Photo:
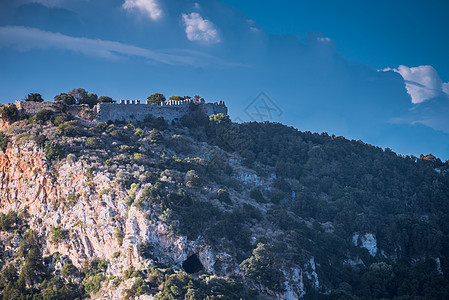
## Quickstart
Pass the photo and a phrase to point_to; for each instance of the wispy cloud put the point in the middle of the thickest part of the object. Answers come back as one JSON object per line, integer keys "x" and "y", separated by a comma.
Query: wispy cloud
{"x": 422, "y": 82}
{"x": 149, "y": 7}
{"x": 199, "y": 29}
{"x": 24, "y": 39}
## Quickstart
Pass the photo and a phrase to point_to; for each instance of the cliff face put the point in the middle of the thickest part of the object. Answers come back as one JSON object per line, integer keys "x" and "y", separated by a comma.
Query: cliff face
{"x": 66, "y": 197}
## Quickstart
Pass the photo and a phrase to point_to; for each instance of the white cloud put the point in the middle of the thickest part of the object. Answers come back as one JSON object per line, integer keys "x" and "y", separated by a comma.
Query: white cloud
{"x": 24, "y": 39}
{"x": 324, "y": 39}
{"x": 446, "y": 88}
{"x": 149, "y": 7}
{"x": 422, "y": 82}
{"x": 199, "y": 29}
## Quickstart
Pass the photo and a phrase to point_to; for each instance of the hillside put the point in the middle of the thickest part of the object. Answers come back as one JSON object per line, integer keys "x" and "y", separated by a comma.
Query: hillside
{"x": 205, "y": 207}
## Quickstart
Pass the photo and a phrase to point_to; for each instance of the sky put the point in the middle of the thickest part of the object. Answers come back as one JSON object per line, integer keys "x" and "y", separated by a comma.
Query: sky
{"x": 375, "y": 71}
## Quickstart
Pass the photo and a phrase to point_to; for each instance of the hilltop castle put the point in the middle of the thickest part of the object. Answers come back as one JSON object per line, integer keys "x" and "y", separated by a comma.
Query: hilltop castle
{"x": 126, "y": 110}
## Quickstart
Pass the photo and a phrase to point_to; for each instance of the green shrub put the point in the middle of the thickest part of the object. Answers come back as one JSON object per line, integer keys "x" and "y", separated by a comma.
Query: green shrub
{"x": 65, "y": 99}
{"x": 53, "y": 151}
{"x": 43, "y": 116}
{"x": 119, "y": 235}
{"x": 90, "y": 172}
{"x": 69, "y": 270}
{"x": 192, "y": 178}
{"x": 138, "y": 288}
{"x": 71, "y": 128}
{"x": 58, "y": 234}
{"x": 131, "y": 273}
{"x": 94, "y": 285}
{"x": 94, "y": 143}
{"x": 146, "y": 250}
{"x": 155, "y": 136}
{"x": 139, "y": 133}
{"x": 40, "y": 140}
{"x": 34, "y": 97}
{"x": 71, "y": 200}
{"x": 8, "y": 221}
{"x": 124, "y": 178}
{"x": 95, "y": 267}
{"x": 260, "y": 267}
{"x": 10, "y": 113}
{"x": 219, "y": 119}
{"x": 3, "y": 141}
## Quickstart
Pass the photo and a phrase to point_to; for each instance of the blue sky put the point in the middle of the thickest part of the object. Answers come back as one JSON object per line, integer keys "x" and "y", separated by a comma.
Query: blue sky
{"x": 375, "y": 71}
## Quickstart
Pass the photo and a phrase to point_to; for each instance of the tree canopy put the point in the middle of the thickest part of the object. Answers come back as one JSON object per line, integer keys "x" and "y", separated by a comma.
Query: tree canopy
{"x": 34, "y": 97}
{"x": 156, "y": 99}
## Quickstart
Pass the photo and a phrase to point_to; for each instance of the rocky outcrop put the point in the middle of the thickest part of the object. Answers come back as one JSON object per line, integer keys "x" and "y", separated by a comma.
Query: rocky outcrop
{"x": 75, "y": 202}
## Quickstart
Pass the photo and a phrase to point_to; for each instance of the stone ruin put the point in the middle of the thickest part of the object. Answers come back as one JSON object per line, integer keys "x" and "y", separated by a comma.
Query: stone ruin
{"x": 126, "y": 110}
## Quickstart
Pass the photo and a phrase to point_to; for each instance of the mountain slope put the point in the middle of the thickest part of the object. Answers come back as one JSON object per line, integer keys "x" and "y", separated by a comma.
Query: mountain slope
{"x": 120, "y": 209}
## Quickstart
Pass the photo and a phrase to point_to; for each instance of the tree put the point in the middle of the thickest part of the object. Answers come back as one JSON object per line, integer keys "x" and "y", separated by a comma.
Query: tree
{"x": 65, "y": 99}
{"x": 34, "y": 97}
{"x": 3, "y": 141}
{"x": 156, "y": 98}
{"x": 192, "y": 178}
{"x": 43, "y": 116}
{"x": 105, "y": 99}
{"x": 260, "y": 268}
{"x": 79, "y": 94}
{"x": 10, "y": 113}
{"x": 176, "y": 98}
{"x": 91, "y": 99}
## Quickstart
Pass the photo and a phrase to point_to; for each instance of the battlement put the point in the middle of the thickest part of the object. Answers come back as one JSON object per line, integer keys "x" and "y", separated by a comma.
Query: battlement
{"x": 134, "y": 110}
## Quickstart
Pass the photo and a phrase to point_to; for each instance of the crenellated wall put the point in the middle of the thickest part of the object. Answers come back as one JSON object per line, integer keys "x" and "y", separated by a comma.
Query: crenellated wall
{"x": 130, "y": 110}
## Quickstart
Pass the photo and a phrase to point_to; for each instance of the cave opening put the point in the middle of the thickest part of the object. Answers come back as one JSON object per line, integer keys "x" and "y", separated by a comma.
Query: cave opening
{"x": 192, "y": 264}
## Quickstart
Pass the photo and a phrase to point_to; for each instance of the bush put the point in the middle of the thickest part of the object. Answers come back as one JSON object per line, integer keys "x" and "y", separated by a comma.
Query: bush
{"x": 3, "y": 141}
{"x": 61, "y": 118}
{"x": 8, "y": 221}
{"x": 139, "y": 133}
{"x": 65, "y": 99}
{"x": 71, "y": 128}
{"x": 138, "y": 288}
{"x": 90, "y": 172}
{"x": 94, "y": 285}
{"x": 69, "y": 270}
{"x": 156, "y": 98}
{"x": 95, "y": 267}
{"x": 260, "y": 268}
{"x": 53, "y": 151}
{"x": 119, "y": 235}
{"x": 223, "y": 196}
{"x": 219, "y": 119}
{"x": 40, "y": 140}
{"x": 192, "y": 178}
{"x": 34, "y": 97}
{"x": 58, "y": 234}
{"x": 105, "y": 99}
{"x": 155, "y": 136}
{"x": 10, "y": 113}
{"x": 43, "y": 116}
{"x": 146, "y": 250}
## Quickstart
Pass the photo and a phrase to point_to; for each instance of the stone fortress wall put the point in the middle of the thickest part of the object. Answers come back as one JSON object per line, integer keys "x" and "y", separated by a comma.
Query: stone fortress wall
{"x": 126, "y": 110}
{"x": 133, "y": 110}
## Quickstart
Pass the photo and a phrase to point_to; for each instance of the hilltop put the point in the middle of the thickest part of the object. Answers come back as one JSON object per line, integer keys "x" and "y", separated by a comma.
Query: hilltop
{"x": 203, "y": 207}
